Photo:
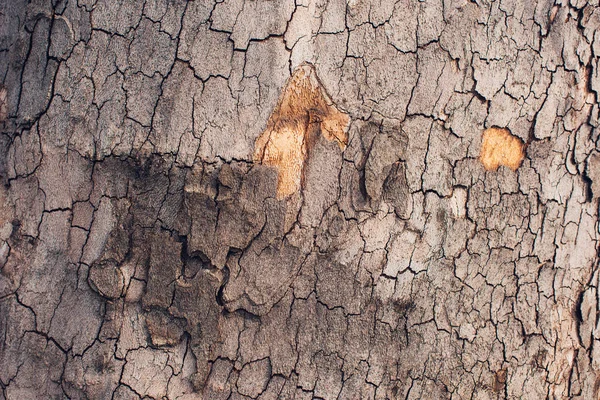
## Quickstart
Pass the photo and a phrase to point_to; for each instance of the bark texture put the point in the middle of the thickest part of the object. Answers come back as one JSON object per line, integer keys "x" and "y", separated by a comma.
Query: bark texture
{"x": 295, "y": 199}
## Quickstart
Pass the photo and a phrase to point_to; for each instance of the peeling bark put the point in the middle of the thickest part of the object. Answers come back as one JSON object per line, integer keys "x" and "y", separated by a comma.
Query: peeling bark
{"x": 290, "y": 200}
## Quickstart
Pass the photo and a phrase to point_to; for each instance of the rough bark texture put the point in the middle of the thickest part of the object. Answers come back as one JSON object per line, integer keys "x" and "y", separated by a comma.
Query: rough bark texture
{"x": 434, "y": 235}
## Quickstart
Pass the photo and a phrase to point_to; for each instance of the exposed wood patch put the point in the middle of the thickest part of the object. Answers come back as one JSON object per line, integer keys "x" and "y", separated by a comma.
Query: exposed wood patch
{"x": 304, "y": 110}
{"x": 500, "y": 147}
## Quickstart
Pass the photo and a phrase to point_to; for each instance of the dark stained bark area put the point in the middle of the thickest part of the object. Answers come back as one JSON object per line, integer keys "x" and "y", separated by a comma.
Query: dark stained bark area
{"x": 438, "y": 239}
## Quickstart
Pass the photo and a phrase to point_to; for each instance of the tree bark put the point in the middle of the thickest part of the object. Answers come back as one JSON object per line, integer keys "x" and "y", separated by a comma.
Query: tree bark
{"x": 299, "y": 199}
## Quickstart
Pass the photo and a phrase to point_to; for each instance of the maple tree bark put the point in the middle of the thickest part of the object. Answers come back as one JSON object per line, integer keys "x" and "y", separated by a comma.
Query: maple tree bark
{"x": 300, "y": 199}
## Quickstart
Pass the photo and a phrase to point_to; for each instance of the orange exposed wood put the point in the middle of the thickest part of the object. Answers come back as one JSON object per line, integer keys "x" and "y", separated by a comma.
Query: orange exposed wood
{"x": 304, "y": 110}
{"x": 500, "y": 147}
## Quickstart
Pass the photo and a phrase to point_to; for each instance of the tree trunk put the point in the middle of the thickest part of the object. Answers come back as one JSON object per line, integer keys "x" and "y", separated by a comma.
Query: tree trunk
{"x": 293, "y": 200}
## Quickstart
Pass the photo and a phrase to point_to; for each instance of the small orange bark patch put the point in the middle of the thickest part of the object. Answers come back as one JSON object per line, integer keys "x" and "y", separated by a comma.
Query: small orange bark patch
{"x": 500, "y": 147}
{"x": 304, "y": 110}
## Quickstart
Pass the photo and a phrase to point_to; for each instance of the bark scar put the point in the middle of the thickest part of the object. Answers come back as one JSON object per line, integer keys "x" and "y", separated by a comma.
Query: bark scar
{"x": 500, "y": 147}
{"x": 304, "y": 110}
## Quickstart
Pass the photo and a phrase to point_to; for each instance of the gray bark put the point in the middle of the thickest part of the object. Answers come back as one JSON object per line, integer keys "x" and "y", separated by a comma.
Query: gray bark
{"x": 299, "y": 199}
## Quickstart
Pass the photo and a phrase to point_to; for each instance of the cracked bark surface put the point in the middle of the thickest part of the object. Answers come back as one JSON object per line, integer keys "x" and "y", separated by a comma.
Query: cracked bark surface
{"x": 439, "y": 240}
